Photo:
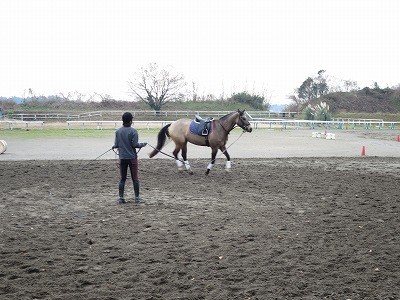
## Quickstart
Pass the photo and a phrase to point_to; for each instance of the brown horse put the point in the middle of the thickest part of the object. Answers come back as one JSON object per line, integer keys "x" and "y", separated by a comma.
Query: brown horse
{"x": 179, "y": 131}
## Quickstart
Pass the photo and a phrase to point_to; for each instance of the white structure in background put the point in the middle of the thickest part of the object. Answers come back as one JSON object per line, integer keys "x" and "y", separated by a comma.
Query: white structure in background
{"x": 3, "y": 146}
{"x": 324, "y": 135}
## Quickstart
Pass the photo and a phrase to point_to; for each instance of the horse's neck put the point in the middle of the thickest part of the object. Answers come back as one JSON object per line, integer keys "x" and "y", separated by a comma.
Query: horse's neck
{"x": 229, "y": 122}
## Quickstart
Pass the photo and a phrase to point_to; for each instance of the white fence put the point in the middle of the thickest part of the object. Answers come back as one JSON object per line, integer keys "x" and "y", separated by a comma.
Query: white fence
{"x": 259, "y": 123}
{"x": 143, "y": 113}
{"x": 354, "y": 124}
{"x": 266, "y": 123}
{"x": 11, "y": 124}
{"x": 115, "y": 124}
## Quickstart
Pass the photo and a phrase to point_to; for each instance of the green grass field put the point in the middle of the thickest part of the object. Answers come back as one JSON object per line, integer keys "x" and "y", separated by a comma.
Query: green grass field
{"x": 57, "y": 133}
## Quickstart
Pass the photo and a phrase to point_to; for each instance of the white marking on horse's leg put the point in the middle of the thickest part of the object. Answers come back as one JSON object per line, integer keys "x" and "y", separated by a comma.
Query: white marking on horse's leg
{"x": 187, "y": 165}
{"x": 180, "y": 165}
{"x": 228, "y": 165}
{"x": 210, "y": 166}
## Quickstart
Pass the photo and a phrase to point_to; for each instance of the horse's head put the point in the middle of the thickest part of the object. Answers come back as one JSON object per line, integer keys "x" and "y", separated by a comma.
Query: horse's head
{"x": 242, "y": 122}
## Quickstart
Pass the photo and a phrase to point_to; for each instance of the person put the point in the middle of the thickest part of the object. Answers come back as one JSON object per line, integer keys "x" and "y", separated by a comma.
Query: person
{"x": 126, "y": 141}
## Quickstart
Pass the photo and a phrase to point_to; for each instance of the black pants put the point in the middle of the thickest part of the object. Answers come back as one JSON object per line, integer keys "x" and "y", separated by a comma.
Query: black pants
{"x": 132, "y": 164}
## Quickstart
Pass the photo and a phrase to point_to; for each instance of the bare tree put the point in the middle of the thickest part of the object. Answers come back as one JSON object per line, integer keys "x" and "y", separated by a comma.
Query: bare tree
{"x": 95, "y": 97}
{"x": 63, "y": 96}
{"x": 350, "y": 85}
{"x": 72, "y": 96}
{"x": 195, "y": 89}
{"x": 156, "y": 86}
{"x": 299, "y": 103}
{"x": 267, "y": 98}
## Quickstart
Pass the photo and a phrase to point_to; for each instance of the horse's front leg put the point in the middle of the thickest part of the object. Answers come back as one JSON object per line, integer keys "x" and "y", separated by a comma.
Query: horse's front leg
{"x": 228, "y": 158}
{"x": 211, "y": 164}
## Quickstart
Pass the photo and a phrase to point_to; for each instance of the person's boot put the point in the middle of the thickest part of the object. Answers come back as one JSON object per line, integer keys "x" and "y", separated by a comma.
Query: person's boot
{"x": 121, "y": 188}
{"x": 138, "y": 200}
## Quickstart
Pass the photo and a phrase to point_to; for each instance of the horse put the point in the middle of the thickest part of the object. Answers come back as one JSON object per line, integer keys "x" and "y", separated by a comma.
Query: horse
{"x": 179, "y": 131}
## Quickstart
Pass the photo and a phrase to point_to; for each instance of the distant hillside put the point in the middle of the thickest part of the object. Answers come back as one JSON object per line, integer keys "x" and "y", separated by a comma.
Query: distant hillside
{"x": 71, "y": 106}
{"x": 365, "y": 100}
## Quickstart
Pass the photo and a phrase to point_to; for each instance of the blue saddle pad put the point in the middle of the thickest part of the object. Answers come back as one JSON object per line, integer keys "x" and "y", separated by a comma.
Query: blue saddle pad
{"x": 199, "y": 129}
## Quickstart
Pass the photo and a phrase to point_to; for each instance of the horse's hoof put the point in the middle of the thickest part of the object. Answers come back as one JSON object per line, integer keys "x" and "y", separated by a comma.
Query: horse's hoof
{"x": 208, "y": 171}
{"x": 181, "y": 169}
{"x": 227, "y": 169}
{"x": 190, "y": 172}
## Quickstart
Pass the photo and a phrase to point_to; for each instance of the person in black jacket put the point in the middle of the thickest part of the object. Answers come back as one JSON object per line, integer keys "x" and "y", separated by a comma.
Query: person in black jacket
{"x": 126, "y": 141}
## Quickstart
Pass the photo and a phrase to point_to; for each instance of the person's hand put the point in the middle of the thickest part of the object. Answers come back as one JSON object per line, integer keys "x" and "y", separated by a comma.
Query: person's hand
{"x": 144, "y": 144}
{"x": 113, "y": 147}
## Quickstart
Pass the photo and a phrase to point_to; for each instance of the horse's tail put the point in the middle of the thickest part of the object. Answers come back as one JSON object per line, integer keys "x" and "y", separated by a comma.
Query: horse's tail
{"x": 162, "y": 136}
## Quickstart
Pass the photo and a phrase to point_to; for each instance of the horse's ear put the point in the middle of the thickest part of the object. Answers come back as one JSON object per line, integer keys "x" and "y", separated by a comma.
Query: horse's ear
{"x": 241, "y": 112}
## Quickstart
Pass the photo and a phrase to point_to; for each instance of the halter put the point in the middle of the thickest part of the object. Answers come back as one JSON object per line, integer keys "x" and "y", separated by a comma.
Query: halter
{"x": 244, "y": 127}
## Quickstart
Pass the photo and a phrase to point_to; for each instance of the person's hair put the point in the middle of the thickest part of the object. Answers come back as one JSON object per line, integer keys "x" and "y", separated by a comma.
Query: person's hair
{"x": 127, "y": 119}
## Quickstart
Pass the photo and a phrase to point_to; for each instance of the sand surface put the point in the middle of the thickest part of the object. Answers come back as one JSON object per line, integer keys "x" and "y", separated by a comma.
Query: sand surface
{"x": 261, "y": 143}
{"x": 296, "y": 218}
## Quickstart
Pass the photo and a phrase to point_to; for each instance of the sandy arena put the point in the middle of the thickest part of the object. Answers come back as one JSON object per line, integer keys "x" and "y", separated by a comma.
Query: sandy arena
{"x": 296, "y": 218}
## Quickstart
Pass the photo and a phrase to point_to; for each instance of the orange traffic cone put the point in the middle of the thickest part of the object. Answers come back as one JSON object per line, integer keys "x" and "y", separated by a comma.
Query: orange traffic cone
{"x": 363, "y": 151}
{"x": 398, "y": 138}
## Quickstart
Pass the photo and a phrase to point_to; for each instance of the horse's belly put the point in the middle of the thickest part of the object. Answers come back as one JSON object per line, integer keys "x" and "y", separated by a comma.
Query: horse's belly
{"x": 197, "y": 139}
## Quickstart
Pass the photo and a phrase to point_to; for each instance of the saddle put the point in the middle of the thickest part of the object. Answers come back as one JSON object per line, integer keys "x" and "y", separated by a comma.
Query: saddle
{"x": 201, "y": 126}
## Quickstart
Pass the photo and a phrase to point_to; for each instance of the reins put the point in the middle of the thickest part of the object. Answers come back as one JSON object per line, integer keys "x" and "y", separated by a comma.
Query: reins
{"x": 226, "y": 149}
{"x": 88, "y": 163}
{"x": 84, "y": 166}
{"x": 166, "y": 154}
{"x": 116, "y": 154}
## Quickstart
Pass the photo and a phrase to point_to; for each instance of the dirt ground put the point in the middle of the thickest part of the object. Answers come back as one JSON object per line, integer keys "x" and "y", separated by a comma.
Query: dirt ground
{"x": 288, "y": 228}
{"x": 296, "y": 218}
{"x": 261, "y": 143}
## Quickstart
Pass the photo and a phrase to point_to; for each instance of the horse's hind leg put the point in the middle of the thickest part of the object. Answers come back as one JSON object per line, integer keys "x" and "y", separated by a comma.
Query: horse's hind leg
{"x": 184, "y": 156}
{"x": 228, "y": 158}
{"x": 211, "y": 164}
{"x": 179, "y": 163}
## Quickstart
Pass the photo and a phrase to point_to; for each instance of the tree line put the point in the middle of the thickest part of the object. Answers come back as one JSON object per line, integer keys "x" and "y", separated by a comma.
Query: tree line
{"x": 151, "y": 85}
{"x": 318, "y": 96}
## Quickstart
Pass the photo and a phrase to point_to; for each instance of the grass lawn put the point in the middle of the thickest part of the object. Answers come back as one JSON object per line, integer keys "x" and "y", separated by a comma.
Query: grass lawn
{"x": 57, "y": 133}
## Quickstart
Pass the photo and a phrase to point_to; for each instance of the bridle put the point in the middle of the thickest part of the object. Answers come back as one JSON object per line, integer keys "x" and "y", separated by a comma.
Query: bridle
{"x": 245, "y": 125}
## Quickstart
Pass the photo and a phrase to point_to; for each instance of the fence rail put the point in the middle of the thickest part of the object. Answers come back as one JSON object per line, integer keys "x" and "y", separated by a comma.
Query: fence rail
{"x": 256, "y": 123}
{"x": 11, "y": 124}
{"x": 143, "y": 113}
{"x": 115, "y": 124}
{"x": 266, "y": 123}
{"x": 312, "y": 124}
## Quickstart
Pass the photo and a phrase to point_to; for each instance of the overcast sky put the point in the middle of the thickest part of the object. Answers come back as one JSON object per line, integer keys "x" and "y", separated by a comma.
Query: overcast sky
{"x": 54, "y": 46}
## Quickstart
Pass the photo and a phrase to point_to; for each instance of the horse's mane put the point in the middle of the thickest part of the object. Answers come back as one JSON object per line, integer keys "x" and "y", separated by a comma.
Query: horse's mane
{"x": 227, "y": 115}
